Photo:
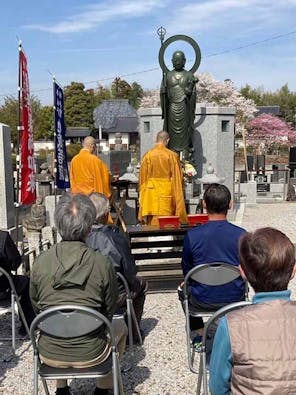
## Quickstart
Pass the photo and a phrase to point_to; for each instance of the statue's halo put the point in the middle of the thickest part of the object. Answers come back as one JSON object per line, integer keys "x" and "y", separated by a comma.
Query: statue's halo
{"x": 179, "y": 37}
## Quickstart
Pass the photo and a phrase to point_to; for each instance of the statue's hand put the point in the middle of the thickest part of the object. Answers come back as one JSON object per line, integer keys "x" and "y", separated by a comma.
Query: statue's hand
{"x": 188, "y": 90}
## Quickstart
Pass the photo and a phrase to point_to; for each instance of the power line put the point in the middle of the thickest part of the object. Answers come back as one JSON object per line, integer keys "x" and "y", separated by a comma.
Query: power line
{"x": 252, "y": 44}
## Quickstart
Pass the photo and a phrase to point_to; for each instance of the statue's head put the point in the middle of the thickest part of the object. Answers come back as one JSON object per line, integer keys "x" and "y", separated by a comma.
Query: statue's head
{"x": 39, "y": 199}
{"x": 178, "y": 60}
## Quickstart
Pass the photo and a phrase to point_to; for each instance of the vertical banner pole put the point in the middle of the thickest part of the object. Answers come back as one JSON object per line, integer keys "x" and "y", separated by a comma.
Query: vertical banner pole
{"x": 61, "y": 163}
{"x": 55, "y": 140}
{"x": 19, "y": 130}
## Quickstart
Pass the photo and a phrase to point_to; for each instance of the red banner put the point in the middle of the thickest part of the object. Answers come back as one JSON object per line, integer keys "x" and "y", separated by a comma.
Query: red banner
{"x": 27, "y": 165}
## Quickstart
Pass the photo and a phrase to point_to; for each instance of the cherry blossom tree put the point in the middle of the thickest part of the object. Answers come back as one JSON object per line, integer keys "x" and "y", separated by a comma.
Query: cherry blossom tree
{"x": 270, "y": 131}
{"x": 224, "y": 93}
{"x": 214, "y": 92}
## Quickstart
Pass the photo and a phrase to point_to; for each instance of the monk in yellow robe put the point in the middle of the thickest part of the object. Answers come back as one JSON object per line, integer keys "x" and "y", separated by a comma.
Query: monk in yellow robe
{"x": 87, "y": 172}
{"x": 161, "y": 183}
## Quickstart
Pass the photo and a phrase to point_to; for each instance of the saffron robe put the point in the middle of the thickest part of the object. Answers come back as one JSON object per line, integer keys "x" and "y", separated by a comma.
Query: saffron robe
{"x": 89, "y": 174}
{"x": 161, "y": 185}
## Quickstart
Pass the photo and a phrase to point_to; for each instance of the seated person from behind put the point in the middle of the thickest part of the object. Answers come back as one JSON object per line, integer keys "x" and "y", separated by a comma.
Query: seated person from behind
{"x": 72, "y": 273}
{"x": 111, "y": 243}
{"x": 215, "y": 241}
{"x": 10, "y": 260}
{"x": 254, "y": 347}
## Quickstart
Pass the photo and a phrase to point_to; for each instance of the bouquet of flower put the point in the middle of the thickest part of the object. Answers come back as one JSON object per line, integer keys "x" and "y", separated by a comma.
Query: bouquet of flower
{"x": 189, "y": 171}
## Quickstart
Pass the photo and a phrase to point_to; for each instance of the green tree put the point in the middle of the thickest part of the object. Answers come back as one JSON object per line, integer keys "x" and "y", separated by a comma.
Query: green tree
{"x": 44, "y": 124}
{"x": 282, "y": 97}
{"x": 79, "y": 105}
{"x": 122, "y": 89}
{"x": 135, "y": 95}
{"x": 102, "y": 93}
{"x": 254, "y": 94}
{"x": 9, "y": 114}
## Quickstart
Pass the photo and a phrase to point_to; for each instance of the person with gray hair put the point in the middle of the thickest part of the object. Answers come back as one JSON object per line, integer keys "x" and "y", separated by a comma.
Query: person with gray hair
{"x": 71, "y": 272}
{"x": 111, "y": 243}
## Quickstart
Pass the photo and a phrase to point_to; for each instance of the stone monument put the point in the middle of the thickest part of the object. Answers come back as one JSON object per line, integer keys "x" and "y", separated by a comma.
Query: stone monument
{"x": 7, "y": 212}
{"x": 36, "y": 220}
{"x": 44, "y": 180}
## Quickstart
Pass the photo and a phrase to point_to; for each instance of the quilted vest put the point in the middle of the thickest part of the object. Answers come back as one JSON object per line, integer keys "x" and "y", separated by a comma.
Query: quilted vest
{"x": 263, "y": 344}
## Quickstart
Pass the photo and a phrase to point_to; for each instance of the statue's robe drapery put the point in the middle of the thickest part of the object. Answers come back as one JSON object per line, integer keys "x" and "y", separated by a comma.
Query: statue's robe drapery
{"x": 161, "y": 185}
{"x": 89, "y": 174}
{"x": 178, "y": 100}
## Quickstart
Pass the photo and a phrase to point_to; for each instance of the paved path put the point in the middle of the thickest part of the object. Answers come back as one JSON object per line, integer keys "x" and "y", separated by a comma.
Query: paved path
{"x": 278, "y": 215}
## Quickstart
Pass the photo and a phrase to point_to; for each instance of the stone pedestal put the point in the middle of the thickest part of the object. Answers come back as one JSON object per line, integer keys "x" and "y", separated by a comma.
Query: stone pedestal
{"x": 34, "y": 238}
{"x": 44, "y": 188}
{"x": 250, "y": 190}
{"x": 7, "y": 212}
{"x": 188, "y": 191}
{"x": 213, "y": 138}
{"x": 47, "y": 234}
{"x": 50, "y": 204}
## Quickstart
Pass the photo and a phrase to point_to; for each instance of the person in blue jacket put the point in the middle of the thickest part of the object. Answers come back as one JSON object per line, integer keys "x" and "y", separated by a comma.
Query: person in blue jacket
{"x": 215, "y": 241}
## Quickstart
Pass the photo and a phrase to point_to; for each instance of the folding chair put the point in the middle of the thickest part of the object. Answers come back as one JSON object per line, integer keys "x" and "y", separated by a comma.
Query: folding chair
{"x": 130, "y": 312}
{"x": 69, "y": 321}
{"x": 6, "y": 306}
{"x": 203, "y": 365}
{"x": 210, "y": 274}
{"x": 45, "y": 245}
{"x": 28, "y": 259}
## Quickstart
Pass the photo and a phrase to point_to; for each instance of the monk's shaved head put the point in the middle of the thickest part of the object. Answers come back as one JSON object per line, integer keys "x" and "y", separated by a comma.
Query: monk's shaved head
{"x": 162, "y": 137}
{"x": 88, "y": 141}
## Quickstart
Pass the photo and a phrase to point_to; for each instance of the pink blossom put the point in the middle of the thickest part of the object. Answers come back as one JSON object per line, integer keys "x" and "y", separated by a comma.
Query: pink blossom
{"x": 271, "y": 130}
{"x": 214, "y": 93}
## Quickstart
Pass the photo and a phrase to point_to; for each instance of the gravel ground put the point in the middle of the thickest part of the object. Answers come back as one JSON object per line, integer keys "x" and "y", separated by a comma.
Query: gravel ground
{"x": 160, "y": 366}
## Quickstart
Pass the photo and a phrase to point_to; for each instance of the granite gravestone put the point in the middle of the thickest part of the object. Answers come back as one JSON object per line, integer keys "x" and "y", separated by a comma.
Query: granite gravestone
{"x": 117, "y": 161}
{"x": 6, "y": 180}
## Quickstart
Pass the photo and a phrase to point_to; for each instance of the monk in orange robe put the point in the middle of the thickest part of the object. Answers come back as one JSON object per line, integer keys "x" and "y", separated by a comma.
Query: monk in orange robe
{"x": 161, "y": 183}
{"x": 87, "y": 172}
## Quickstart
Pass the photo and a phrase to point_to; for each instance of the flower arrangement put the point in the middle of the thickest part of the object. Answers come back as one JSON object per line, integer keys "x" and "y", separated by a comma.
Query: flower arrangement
{"x": 188, "y": 171}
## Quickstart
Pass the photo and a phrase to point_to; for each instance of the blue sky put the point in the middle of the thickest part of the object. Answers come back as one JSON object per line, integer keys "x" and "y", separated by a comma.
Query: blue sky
{"x": 94, "y": 41}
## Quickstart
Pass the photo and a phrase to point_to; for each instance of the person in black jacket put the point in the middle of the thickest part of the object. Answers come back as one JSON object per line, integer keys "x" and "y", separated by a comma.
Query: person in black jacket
{"x": 111, "y": 243}
{"x": 10, "y": 260}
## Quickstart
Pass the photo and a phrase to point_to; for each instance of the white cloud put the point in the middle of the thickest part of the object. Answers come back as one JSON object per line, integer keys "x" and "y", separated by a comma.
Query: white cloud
{"x": 96, "y": 14}
{"x": 203, "y": 15}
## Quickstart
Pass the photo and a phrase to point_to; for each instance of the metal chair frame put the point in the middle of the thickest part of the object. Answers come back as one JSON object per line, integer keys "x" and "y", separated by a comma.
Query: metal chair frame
{"x": 211, "y": 274}
{"x": 130, "y": 312}
{"x": 70, "y": 321}
{"x": 118, "y": 207}
{"x": 202, "y": 375}
{"x": 11, "y": 309}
